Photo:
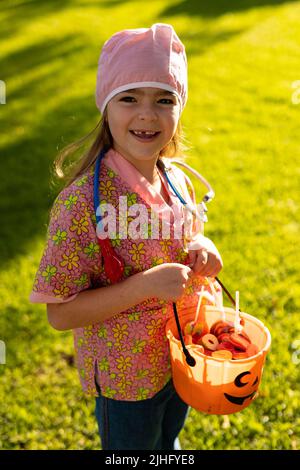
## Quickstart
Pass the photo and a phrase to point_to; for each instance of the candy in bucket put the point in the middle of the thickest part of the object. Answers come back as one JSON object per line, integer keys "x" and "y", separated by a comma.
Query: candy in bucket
{"x": 213, "y": 383}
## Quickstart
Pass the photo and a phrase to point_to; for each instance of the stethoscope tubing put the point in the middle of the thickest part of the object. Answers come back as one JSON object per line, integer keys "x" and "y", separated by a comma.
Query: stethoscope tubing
{"x": 96, "y": 185}
{"x": 207, "y": 198}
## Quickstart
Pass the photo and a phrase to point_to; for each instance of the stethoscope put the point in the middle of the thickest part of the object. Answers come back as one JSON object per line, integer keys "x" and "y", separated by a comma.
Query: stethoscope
{"x": 113, "y": 264}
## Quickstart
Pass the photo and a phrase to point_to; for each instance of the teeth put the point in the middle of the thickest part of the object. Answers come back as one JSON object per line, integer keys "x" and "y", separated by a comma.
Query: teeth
{"x": 144, "y": 132}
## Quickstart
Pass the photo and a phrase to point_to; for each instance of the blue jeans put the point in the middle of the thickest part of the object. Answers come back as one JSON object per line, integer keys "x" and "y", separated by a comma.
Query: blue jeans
{"x": 151, "y": 424}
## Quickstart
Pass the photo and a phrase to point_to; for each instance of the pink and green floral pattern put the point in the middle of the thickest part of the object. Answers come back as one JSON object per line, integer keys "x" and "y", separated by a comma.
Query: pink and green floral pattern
{"x": 129, "y": 353}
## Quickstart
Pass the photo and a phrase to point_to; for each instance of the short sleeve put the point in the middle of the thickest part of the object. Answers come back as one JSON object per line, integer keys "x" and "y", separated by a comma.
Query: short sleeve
{"x": 71, "y": 257}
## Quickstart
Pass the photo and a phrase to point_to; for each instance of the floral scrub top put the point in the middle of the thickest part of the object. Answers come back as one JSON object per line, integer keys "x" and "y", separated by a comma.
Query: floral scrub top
{"x": 128, "y": 354}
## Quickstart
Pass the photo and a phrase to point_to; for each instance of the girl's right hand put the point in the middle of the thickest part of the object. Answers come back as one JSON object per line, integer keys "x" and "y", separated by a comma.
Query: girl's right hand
{"x": 167, "y": 281}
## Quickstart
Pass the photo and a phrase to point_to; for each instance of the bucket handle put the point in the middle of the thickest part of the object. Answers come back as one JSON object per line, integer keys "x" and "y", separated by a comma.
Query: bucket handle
{"x": 190, "y": 360}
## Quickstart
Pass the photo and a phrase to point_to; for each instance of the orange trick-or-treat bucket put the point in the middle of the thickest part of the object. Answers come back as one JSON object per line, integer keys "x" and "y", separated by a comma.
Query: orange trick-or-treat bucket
{"x": 216, "y": 384}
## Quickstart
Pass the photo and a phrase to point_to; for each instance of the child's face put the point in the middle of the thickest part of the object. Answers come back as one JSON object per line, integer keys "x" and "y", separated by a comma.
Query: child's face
{"x": 142, "y": 109}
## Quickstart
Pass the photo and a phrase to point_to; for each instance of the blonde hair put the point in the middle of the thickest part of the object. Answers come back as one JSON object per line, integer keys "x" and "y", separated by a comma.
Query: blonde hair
{"x": 104, "y": 139}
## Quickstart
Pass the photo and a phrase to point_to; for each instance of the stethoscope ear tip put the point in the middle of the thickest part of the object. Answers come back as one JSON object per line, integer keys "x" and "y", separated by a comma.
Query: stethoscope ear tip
{"x": 209, "y": 196}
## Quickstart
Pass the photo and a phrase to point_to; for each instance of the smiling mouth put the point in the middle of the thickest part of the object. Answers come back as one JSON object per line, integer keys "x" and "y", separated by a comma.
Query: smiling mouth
{"x": 238, "y": 400}
{"x": 145, "y": 135}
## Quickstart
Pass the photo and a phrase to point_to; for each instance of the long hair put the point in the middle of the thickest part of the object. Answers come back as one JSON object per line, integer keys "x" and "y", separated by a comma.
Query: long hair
{"x": 104, "y": 139}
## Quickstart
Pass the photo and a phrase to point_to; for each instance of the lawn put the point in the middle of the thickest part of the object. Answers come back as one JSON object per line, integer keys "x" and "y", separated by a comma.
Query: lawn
{"x": 242, "y": 126}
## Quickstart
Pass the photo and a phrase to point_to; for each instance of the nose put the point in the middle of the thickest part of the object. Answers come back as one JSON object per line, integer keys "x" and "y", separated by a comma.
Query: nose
{"x": 147, "y": 113}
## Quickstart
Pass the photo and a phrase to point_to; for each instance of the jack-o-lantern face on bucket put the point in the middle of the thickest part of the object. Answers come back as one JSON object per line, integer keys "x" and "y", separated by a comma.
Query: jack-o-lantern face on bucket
{"x": 243, "y": 380}
{"x": 216, "y": 385}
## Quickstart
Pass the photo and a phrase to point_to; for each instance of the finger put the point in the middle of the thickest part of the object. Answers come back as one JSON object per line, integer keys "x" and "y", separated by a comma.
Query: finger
{"x": 212, "y": 268}
{"x": 203, "y": 257}
{"x": 201, "y": 262}
{"x": 188, "y": 273}
{"x": 192, "y": 257}
{"x": 209, "y": 268}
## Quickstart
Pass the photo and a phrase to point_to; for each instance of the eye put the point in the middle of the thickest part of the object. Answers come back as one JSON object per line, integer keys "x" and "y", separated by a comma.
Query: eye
{"x": 167, "y": 101}
{"x": 238, "y": 380}
{"x": 127, "y": 99}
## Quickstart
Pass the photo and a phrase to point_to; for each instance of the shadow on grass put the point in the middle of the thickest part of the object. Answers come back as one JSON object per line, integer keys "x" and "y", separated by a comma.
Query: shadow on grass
{"x": 16, "y": 14}
{"x": 26, "y": 190}
{"x": 215, "y": 8}
{"x": 26, "y": 162}
{"x": 39, "y": 54}
{"x": 197, "y": 42}
{"x": 26, "y": 159}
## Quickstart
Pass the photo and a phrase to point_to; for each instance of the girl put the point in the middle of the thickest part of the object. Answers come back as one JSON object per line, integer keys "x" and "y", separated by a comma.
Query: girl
{"x": 118, "y": 315}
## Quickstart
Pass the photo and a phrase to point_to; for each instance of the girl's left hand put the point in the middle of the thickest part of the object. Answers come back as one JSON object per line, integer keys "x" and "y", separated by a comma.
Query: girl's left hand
{"x": 204, "y": 257}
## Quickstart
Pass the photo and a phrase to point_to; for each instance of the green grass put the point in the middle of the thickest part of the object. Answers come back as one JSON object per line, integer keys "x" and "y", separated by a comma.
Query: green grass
{"x": 243, "y": 131}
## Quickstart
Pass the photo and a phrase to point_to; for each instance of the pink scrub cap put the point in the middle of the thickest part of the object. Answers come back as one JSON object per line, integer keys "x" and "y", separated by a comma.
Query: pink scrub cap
{"x": 143, "y": 57}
